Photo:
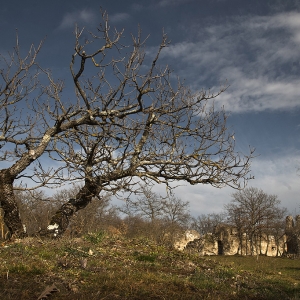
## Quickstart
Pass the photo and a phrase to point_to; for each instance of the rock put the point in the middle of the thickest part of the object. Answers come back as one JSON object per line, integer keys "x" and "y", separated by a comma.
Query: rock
{"x": 182, "y": 240}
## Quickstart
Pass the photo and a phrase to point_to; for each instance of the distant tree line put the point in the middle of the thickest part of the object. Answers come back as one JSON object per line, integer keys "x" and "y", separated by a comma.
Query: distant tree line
{"x": 251, "y": 211}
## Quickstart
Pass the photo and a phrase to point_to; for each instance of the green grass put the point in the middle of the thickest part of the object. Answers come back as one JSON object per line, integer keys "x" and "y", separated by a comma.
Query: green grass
{"x": 95, "y": 238}
{"x": 119, "y": 268}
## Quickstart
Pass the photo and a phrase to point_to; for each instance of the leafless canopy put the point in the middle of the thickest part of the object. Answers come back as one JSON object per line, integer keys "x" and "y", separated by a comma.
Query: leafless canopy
{"x": 149, "y": 126}
{"x": 255, "y": 213}
{"x": 130, "y": 120}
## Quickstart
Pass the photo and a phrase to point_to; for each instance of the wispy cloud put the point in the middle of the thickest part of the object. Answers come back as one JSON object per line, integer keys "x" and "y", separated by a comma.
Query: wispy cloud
{"x": 275, "y": 176}
{"x": 81, "y": 17}
{"x": 172, "y": 2}
{"x": 278, "y": 176}
{"x": 259, "y": 94}
{"x": 258, "y": 56}
{"x": 119, "y": 17}
{"x": 137, "y": 6}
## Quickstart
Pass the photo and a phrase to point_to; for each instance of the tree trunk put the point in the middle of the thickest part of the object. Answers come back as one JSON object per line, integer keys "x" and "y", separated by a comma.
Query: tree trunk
{"x": 61, "y": 219}
{"x": 9, "y": 205}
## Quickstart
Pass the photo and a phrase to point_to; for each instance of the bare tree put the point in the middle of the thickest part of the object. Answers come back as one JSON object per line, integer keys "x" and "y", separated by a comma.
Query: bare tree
{"x": 238, "y": 218}
{"x": 206, "y": 223}
{"x": 145, "y": 214}
{"x": 176, "y": 211}
{"x": 153, "y": 128}
{"x": 131, "y": 121}
{"x": 254, "y": 213}
{"x": 158, "y": 217}
{"x": 35, "y": 209}
{"x": 276, "y": 230}
{"x": 149, "y": 205}
{"x": 33, "y": 113}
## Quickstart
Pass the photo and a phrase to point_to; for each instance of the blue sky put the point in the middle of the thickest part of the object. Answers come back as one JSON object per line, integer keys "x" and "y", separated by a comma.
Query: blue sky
{"x": 254, "y": 46}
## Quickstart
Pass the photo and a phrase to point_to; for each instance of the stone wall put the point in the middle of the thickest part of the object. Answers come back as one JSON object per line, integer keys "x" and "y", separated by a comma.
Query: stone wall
{"x": 230, "y": 243}
{"x": 183, "y": 239}
{"x": 226, "y": 241}
{"x": 292, "y": 231}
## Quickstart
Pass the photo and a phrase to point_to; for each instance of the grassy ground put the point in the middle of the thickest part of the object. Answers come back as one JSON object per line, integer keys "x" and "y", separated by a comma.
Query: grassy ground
{"x": 104, "y": 267}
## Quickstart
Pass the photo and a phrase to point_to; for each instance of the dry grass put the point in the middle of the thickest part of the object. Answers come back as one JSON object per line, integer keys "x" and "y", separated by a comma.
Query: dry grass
{"x": 105, "y": 267}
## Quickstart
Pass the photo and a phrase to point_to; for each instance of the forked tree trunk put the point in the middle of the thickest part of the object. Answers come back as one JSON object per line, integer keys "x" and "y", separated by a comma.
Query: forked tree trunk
{"x": 9, "y": 205}
{"x": 59, "y": 222}
{"x": 61, "y": 219}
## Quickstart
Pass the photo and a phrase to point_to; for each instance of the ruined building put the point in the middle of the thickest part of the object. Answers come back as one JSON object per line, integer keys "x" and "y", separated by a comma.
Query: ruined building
{"x": 292, "y": 231}
{"x": 227, "y": 240}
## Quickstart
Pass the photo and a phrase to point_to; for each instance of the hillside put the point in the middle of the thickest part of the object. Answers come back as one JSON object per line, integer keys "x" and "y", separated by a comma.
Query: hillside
{"x": 101, "y": 266}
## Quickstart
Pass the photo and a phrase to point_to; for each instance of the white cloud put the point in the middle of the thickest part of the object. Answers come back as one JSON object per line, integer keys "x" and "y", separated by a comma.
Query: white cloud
{"x": 82, "y": 17}
{"x": 275, "y": 176}
{"x": 258, "y": 94}
{"x": 258, "y": 56}
{"x": 119, "y": 17}
{"x": 291, "y": 21}
{"x": 279, "y": 176}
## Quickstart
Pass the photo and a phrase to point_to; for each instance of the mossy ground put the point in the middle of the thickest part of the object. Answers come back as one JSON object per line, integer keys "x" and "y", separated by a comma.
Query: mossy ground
{"x": 121, "y": 268}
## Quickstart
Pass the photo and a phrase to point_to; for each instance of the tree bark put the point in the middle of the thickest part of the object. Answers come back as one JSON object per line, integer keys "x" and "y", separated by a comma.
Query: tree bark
{"x": 9, "y": 205}
{"x": 61, "y": 219}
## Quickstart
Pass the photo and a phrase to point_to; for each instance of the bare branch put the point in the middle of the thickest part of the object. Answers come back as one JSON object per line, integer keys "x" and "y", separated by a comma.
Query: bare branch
{"x": 129, "y": 121}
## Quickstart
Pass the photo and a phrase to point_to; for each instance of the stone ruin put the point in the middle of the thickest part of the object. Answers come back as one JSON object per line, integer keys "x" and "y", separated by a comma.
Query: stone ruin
{"x": 183, "y": 240}
{"x": 224, "y": 240}
{"x": 292, "y": 231}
